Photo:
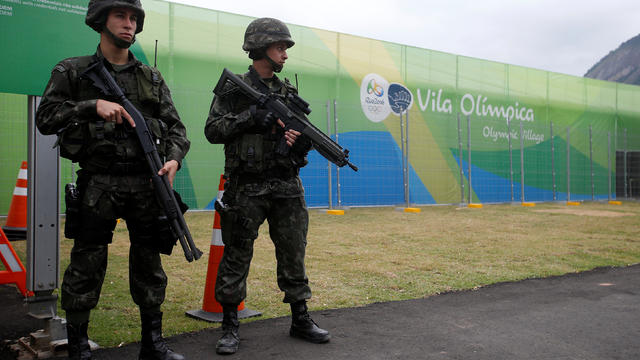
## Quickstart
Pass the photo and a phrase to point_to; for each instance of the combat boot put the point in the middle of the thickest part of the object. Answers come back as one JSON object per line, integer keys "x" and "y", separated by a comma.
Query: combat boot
{"x": 153, "y": 346}
{"x": 303, "y": 327}
{"x": 78, "y": 341}
{"x": 230, "y": 340}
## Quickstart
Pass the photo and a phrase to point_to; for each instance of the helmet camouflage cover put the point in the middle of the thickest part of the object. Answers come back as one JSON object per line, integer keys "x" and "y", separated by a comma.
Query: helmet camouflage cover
{"x": 98, "y": 10}
{"x": 265, "y": 31}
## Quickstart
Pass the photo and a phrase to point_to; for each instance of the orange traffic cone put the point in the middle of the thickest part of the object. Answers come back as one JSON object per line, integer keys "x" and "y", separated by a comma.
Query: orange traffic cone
{"x": 16, "y": 226}
{"x": 211, "y": 309}
{"x": 15, "y": 273}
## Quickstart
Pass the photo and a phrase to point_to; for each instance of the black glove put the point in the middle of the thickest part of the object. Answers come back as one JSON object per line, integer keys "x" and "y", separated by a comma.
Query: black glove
{"x": 263, "y": 119}
{"x": 302, "y": 145}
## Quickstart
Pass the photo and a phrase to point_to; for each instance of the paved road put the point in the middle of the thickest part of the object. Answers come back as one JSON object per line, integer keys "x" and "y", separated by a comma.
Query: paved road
{"x": 592, "y": 315}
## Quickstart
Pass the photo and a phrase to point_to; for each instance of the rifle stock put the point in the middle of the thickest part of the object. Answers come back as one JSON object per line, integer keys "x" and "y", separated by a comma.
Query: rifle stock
{"x": 292, "y": 118}
{"x": 103, "y": 80}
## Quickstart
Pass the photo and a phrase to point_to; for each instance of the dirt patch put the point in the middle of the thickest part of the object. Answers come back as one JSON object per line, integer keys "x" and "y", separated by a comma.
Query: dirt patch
{"x": 583, "y": 212}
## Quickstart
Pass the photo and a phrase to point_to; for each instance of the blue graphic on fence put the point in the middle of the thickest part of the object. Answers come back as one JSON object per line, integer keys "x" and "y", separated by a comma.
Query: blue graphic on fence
{"x": 400, "y": 98}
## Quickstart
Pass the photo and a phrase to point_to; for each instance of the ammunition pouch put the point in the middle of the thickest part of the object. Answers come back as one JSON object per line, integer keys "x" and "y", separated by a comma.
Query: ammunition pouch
{"x": 72, "y": 140}
{"x": 252, "y": 152}
{"x": 148, "y": 84}
{"x": 80, "y": 140}
{"x": 159, "y": 131}
{"x": 73, "y": 203}
{"x": 102, "y": 139}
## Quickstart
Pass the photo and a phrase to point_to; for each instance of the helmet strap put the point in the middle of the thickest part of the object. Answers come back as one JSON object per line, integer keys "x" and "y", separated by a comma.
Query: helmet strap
{"x": 122, "y": 44}
{"x": 276, "y": 67}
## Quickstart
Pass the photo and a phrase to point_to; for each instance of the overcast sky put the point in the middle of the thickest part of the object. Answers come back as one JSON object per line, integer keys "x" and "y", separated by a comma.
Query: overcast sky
{"x": 565, "y": 36}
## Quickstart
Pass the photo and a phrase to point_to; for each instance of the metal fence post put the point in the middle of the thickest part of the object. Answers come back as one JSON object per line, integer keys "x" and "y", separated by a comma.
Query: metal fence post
{"x": 329, "y": 185}
{"x": 406, "y": 167}
{"x": 521, "y": 164}
{"x": 609, "y": 160}
{"x": 568, "y": 166}
{"x": 469, "y": 153}
{"x": 460, "y": 161}
{"x": 553, "y": 168}
{"x": 335, "y": 130}
{"x": 626, "y": 192}
{"x": 402, "y": 157}
{"x": 591, "y": 162}
{"x": 510, "y": 157}
{"x": 43, "y": 235}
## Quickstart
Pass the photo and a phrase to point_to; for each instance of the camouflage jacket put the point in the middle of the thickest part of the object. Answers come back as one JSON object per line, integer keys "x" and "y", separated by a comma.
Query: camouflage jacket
{"x": 69, "y": 101}
{"x": 250, "y": 155}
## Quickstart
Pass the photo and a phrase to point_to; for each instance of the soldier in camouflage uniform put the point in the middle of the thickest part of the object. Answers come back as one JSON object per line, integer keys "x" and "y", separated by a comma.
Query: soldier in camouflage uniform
{"x": 114, "y": 179}
{"x": 261, "y": 184}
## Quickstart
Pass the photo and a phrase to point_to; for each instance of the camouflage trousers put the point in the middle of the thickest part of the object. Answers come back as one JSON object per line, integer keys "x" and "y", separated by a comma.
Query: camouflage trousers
{"x": 288, "y": 223}
{"x": 104, "y": 199}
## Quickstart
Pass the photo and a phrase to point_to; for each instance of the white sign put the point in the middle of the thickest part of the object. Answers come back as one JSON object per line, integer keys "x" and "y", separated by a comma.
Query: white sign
{"x": 373, "y": 97}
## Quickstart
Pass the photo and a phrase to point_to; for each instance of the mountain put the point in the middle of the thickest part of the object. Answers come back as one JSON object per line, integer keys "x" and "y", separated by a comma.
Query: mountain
{"x": 621, "y": 65}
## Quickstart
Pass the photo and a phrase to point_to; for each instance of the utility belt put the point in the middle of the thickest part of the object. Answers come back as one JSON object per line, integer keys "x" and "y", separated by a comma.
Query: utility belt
{"x": 254, "y": 178}
{"x": 118, "y": 168}
{"x": 128, "y": 168}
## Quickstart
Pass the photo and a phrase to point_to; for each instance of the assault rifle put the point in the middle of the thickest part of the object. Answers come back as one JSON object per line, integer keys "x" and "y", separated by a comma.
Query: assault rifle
{"x": 293, "y": 118}
{"x": 103, "y": 80}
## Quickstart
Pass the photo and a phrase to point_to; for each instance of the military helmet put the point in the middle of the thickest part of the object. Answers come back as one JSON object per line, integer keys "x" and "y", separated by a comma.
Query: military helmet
{"x": 265, "y": 31}
{"x": 99, "y": 9}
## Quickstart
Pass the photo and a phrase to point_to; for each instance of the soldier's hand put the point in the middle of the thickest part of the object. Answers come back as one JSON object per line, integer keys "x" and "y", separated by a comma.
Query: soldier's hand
{"x": 170, "y": 168}
{"x": 263, "y": 119}
{"x": 290, "y": 135}
{"x": 113, "y": 112}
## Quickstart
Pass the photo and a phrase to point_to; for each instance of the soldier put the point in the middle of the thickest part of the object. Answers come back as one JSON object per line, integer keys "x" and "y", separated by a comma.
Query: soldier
{"x": 261, "y": 184}
{"x": 114, "y": 179}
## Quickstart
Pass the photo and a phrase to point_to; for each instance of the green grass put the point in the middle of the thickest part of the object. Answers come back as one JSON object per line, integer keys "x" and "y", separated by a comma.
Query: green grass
{"x": 380, "y": 254}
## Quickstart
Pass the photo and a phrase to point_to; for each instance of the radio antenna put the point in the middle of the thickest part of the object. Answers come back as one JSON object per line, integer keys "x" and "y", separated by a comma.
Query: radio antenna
{"x": 155, "y": 56}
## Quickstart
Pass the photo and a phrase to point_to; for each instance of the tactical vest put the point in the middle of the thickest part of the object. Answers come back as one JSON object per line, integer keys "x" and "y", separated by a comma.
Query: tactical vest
{"x": 255, "y": 154}
{"x": 97, "y": 144}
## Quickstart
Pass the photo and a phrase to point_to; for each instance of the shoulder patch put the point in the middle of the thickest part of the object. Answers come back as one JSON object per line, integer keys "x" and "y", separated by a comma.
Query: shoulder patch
{"x": 59, "y": 68}
{"x": 78, "y": 63}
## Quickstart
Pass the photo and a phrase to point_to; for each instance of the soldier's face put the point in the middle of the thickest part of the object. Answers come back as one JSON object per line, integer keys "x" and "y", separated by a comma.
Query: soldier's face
{"x": 278, "y": 52}
{"x": 122, "y": 22}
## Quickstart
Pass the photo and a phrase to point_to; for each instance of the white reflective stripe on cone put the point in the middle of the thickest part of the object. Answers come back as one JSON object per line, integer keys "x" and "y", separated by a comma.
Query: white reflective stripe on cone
{"x": 216, "y": 238}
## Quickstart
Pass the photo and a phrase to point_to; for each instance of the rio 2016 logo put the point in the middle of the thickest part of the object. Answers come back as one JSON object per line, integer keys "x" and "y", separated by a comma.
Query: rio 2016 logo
{"x": 373, "y": 88}
{"x": 379, "y": 98}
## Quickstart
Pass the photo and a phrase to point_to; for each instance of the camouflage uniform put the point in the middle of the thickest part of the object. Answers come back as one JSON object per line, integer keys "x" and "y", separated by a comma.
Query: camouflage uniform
{"x": 114, "y": 180}
{"x": 260, "y": 185}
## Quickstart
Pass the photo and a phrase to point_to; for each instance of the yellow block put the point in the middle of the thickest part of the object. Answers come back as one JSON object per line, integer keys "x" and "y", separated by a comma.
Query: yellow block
{"x": 612, "y": 202}
{"x": 475, "y": 206}
{"x": 528, "y": 204}
{"x": 335, "y": 212}
{"x": 412, "y": 210}
{"x": 573, "y": 203}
